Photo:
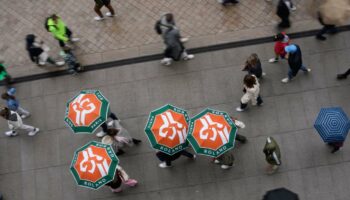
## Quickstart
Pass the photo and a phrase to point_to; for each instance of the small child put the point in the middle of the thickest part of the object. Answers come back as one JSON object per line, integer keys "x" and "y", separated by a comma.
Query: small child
{"x": 73, "y": 65}
{"x": 282, "y": 40}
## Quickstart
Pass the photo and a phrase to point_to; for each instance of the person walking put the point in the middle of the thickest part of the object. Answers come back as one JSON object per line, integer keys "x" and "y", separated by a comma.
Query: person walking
{"x": 175, "y": 50}
{"x": 344, "y": 75}
{"x": 15, "y": 123}
{"x": 13, "y": 104}
{"x": 74, "y": 67}
{"x": 283, "y": 13}
{"x": 272, "y": 155}
{"x": 59, "y": 30}
{"x": 39, "y": 52}
{"x": 251, "y": 93}
{"x": 327, "y": 28}
{"x": 4, "y": 75}
{"x": 118, "y": 138}
{"x": 295, "y": 62}
{"x": 167, "y": 159}
{"x": 282, "y": 40}
{"x": 253, "y": 66}
{"x": 99, "y": 4}
{"x": 120, "y": 178}
{"x": 336, "y": 146}
{"x": 226, "y": 160}
{"x": 166, "y": 23}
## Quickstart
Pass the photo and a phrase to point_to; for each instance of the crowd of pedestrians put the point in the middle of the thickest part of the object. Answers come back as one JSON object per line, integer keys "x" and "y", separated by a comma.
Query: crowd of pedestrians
{"x": 113, "y": 133}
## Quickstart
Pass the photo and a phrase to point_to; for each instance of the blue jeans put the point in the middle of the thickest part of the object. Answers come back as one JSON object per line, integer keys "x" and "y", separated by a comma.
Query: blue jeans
{"x": 290, "y": 73}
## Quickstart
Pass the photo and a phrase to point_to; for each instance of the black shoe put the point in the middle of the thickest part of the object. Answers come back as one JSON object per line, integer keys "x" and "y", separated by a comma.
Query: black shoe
{"x": 136, "y": 141}
{"x": 120, "y": 152}
{"x": 321, "y": 37}
{"x": 341, "y": 76}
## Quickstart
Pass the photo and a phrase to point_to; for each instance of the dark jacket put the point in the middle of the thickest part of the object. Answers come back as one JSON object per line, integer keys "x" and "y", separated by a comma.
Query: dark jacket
{"x": 254, "y": 70}
{"x": 282, "y": 9}
{"x": 272, "y": 152}
{"x": 174, "y": 47}
{"x": 33, "y": 51}
{"x": 295, "y": 61}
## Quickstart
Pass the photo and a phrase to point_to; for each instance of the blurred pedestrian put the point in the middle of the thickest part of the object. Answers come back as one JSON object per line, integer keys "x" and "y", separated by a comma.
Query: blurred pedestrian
{"x": 59, "y": 30}
{"x": 119, "y": 140}
{"x": 327, "y": 28}
{"x": 13, "y": 104}
{"x": 99, "y": 4}
{"x": 73, "y": 64}
{"x": 295, "y": 62}
{"x": 166, "y": 23}
{"x": 251, "y": 93}
{"x": 343, "y": 76}
{"x": 283, "y": 13}
{"x": 4, "y": 75}
{"x": 282, "y": 40}
{"x": 290, "y": 4}
{"x": 227, "y": 2}
{"x": 253, "y": 66}
{"x": 226, "y": 160}
{"x": 39, "y": 52}
{"x": 272, "y": 155}
{"x": 167, "y": 159}
{"x": 336, "y": 146}
{"x": 15, "y": 123}
{"x": 175, "y": 50}
{"x": 115, "y": 123}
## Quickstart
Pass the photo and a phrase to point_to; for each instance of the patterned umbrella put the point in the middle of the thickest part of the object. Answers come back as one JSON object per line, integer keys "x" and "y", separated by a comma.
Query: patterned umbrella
{"x": 332, "y": 124}
{"x": 94, "y": 165}
{"x": 167, "y": 128}
{"x": 280, "y": 194}
{"x": 212, "y": 133}
{"x": 86, "y": 111}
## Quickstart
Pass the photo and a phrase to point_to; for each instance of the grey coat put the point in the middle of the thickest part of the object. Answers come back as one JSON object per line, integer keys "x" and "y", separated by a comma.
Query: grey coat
{"x": 174, "y": 47}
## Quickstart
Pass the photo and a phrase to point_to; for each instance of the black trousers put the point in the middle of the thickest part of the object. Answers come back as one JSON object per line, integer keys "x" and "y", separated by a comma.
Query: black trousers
{"x": 259, "y": 102}
{"x": 69, "y": 34}
{"x": 327, "y": 29}
{"x": 167, "y": 158}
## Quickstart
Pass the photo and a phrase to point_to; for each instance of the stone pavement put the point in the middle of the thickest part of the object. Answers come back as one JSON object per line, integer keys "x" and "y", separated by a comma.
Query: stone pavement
{"x": 131, "y": 32}
{"x": 37, "y": 168}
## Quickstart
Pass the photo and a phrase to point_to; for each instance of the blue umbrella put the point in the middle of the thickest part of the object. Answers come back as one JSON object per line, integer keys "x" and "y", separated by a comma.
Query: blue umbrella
{"x": 332, "y": 124}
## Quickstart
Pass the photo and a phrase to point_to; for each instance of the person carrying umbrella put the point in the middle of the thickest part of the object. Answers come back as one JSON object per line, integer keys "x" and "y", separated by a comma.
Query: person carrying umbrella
{"x": 295, "y": 62}
{"x": 118, "y": 138}
{"x": 272, "y": 155}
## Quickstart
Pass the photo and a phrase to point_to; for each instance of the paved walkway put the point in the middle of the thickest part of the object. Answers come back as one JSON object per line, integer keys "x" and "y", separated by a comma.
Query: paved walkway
{"x": 37, "y": 168}
{"x": 131, "y": 32}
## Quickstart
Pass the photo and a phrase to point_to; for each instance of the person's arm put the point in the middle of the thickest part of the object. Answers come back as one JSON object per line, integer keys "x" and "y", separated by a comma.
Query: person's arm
{"x": 56, "y": 34}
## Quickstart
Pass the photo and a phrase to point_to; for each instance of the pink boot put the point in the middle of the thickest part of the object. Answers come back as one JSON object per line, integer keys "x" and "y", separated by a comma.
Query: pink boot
{"x": 131, "y": 182}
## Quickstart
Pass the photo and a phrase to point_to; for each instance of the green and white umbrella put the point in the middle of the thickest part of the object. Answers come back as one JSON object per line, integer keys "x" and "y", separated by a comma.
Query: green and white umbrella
{"x": 86, "y": 111}
{"x": 167, "y": 128}
{"x": 94, "y": 165}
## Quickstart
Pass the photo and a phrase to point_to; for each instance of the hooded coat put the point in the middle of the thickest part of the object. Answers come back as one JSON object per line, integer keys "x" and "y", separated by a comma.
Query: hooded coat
{"x": 295, "y": 60}
{"x": 174, "y": 47}
{"x": 272, "y": 152}
{"x": 252, "y": 93}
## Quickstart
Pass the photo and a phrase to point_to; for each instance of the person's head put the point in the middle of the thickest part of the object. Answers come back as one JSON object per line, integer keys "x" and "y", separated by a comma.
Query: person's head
{"x": 253, "y": 59}
{"x": 30, "y": 38}
{"x": 249, "y": 80}
{"x": 169, "y": 17}
{"x": 290, "y": 48}
{"x": 5, "y": 113}
{"x": 279, "y": 37}
{"x": 54, "y": 17}
{"x": 112, "y": 132}
{"x": 6, "y": 96}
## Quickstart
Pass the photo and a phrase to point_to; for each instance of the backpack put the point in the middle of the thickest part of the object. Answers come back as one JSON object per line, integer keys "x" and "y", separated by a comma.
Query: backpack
{"x": 157, "y": 27}
{"x": 47, "y": 26}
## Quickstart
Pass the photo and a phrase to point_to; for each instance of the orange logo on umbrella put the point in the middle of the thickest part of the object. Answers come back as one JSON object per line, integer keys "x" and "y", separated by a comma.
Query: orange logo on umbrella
{"x": 84, "y": 110}
{"x": 92, "y": 163}
{"x": 211, "y": 131}
{"x": 170, "y": 128}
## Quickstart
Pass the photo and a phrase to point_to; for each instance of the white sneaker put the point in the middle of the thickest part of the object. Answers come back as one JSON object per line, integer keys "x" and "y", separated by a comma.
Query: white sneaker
{"x": 225, "y": 167}
{"x": 100, "y": 134}
{"x": 239, "y": 109}
{"x": 263, "y": 74}
{"x": 34, "y": 132}
{"x": 25, "y": 116}
{"x": 75, "y": 39}
{"x": 184, "y": 39}
{"x": 285, "y": 80}
{"x": 98, "y": 18}
{"x": 308, "y": 70}
{"x": 109, "y": 14}
{"x": 294, "y": 8}
{"x": 194, "y": 157}
{"x": 189, "y": 57}
{"x": 163, "y": 165}
{"x": 166, "y": 61}
{"x": 273, "y": 60}
{"x": 11, "y": 133}
{"x": 216, "y": 161}
{"x": 60, "y": 63}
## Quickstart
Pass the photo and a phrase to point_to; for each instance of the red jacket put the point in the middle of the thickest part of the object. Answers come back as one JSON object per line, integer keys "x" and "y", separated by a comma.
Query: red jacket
{"x": 280, "y": 45}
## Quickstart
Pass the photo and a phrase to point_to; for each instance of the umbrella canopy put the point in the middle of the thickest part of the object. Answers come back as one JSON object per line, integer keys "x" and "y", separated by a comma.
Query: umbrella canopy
{"x": 212, "y": 133}
{"x": 332, "y": 124}
{"x": 335, "y": 12}
{"x": 94, "y": 165}
{"x": 280, "y": 194}
{"x": 167, "y": 128}
{"x": 86, "y": 111}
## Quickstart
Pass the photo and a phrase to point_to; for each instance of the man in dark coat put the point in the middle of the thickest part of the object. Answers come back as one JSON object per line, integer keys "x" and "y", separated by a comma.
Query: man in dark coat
{"x": 283, "y": 13}
{"x": 295, "y": 62}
